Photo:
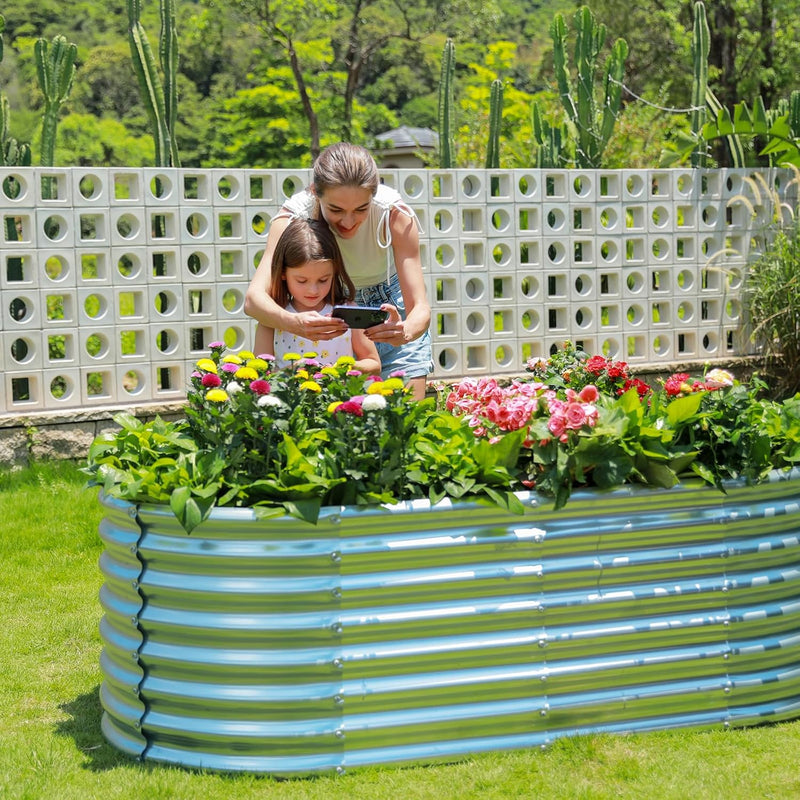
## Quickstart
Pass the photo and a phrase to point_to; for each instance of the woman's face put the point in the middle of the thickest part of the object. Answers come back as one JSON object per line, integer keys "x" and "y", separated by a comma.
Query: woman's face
{"x": 344, "y": 208}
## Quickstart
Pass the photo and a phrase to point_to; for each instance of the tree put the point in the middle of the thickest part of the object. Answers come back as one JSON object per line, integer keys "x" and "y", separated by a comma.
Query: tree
{"x": 350, "y": 33}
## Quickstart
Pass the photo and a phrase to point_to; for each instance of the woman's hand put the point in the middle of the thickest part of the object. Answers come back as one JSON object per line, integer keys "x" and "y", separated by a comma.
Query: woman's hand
{"x": 393, "y": 331}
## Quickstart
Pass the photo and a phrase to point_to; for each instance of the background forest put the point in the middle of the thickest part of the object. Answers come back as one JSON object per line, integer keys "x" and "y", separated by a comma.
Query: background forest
{"x": 257, "y": 77}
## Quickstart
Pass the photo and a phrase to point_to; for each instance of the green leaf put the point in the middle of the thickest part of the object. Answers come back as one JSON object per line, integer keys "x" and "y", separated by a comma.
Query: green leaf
{"x": 307, "y": 510}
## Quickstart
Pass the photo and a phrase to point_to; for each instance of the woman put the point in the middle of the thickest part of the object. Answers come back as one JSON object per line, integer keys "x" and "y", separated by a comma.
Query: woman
{"x": 379, "y": 239}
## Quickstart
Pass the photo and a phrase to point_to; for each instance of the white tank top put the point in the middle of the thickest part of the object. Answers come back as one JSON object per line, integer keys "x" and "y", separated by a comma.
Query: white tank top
{"x": 368, "y": 256}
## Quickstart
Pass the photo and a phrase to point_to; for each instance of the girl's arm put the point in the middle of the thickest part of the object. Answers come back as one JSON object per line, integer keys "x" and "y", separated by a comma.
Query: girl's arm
{"x": 261, "y": 307}
{"x": 365, "y": 354}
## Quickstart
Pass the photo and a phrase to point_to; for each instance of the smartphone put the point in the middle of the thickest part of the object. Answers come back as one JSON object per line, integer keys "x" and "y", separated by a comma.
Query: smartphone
{"x": 360, "y": 316}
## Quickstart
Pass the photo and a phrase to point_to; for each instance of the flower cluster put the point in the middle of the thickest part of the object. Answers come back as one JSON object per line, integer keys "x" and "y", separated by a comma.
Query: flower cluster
{"x": 573, "y": 368}
{"x": 296, "y": 436}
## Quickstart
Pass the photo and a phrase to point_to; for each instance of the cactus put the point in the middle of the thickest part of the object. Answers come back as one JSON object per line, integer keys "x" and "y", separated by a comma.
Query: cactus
{"x": 55, "y": 66}
{"x": 700, "y": 49}
{"x": 447, "y": 107}
{"x": 495, "y": 118}
{"x": 160, "y": 101}
{"x": 592, "y": 128}
{"x": 553, "y": 151}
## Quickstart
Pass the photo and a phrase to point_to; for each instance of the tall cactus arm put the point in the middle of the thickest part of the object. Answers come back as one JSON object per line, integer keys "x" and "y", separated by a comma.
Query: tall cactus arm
{"x": 168, "y": 53}
{"x": 144, "y": 65}
{"x": 495, "y": 119}
{"x": 589, "y": 40}
{"x": 558, "y": 33}
{"x": 55, "y": 65}
{"x": 700, "y": 49}
{"x": 446, "y": 107}
{"x": 612, "y": 90}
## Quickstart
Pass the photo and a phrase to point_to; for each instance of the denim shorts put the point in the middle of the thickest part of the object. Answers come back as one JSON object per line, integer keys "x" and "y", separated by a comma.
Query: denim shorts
{"x": 413, "y": 359}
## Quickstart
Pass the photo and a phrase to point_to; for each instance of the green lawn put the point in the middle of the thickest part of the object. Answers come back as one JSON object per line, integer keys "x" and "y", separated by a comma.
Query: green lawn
{"x": 51, "y": 746}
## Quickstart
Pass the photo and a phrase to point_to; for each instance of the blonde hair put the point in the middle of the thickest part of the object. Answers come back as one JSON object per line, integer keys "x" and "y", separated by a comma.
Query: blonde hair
{"x": 345, "y": 164}
{"x": 305, "y": 240}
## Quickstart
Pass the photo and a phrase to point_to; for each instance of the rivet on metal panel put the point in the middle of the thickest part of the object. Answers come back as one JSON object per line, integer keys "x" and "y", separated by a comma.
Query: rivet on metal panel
{"x": 339, "y": 733}
{"x": 726, "y": 623}
{"x": 340, "y": 770}
{"x": 134, "y": 549}
{"x": 542, "y": 642}
{"x": 135, "y": 656}
{"x": 726, "y": 656}
{"x": 540, "y": 573}
{"x": 135, "y": 690}
{"x": 336, "y": 593}
{"x": 338, "y": 700}
{"x": 543, "y": 678}
{"x": 541, "y": 606}
{"x": 337, "y": 662}
{"x": 132, "y": 511}
{"x": 336, "y": 627}
{"x": 336, "y": 556}
{"x": 335, "y": 519}
{"x": 134, "y": 620}
{"x": 134, "y": 584}
{"x": 543, "y": 711}
{"x": 724, "y": 588}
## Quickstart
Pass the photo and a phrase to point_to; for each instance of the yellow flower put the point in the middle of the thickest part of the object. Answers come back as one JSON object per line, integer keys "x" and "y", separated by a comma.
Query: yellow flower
{"x": 207, "y": 364}
{"x": 311, "y": 386}
{"x": 292, "y": 357}
{"x": 257, "y": 363}
{"x": 345, "y": 361}
{"x": 328, "y": 370}
{"x": 246, "y": 374}
{"x": 217, "y": 395}
{"x": 246, "y": 355}
{"x": 333, "y": 406}
{"x": 309, "y": 355}
{"x": 302, "y": 373}
{"x": 232, "y": 359}
{"x": 393, "y": 385}
{"x": 376, "y": 387}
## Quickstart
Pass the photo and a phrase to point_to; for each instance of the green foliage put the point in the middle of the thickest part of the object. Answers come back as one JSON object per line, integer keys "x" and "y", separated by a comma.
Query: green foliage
{"x": 294, "y": 439}
{"x": 772, "y": 301}
{"x": 12, "y": 152}
{"x": 84, "y": 139}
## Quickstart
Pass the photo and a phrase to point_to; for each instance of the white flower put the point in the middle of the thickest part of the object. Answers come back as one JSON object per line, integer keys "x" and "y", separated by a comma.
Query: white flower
{"x": 373, "y": 402}
{"x": 233, "y": 388}
{"x": 270, "y": 400}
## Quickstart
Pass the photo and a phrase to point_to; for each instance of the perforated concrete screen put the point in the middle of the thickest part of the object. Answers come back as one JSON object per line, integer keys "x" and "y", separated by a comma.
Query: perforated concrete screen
{"x": 114, "y": 281}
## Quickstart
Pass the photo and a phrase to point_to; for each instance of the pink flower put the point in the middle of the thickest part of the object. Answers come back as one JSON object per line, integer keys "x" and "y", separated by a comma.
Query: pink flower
{"x": 557, "y": 424}
{"x": 228, "y": 367}
{"x": 260, "y": 386}
{"x": 210, "y": 380}
{"x": 576, "y": 416}
{"x": 589, "y": 394}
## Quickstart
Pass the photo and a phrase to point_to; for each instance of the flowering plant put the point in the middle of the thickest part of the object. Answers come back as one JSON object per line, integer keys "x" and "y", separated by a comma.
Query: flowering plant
{"x": 294, "y": 437}
{"x": 588, "y": 422}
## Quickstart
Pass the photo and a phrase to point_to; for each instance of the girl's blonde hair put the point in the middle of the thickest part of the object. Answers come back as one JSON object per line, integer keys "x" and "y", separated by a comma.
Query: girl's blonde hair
{"x": 345, "y": 164}
{"x": 305, "y": 240}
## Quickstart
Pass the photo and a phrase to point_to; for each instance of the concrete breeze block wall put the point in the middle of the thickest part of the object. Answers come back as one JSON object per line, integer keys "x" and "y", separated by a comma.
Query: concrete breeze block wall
{"x": 115, "y": 281}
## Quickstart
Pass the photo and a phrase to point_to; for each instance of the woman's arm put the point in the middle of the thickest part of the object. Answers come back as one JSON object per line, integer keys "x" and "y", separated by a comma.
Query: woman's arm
{"x": 261, "y": 307}
{"x": 405, "y": 245}
{"x": 365, "y": 354}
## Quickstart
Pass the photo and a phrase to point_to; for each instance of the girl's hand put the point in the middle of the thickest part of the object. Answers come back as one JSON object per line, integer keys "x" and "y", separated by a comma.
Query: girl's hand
{"x": 314, "y": 326}
{"x": 392, "y": 331}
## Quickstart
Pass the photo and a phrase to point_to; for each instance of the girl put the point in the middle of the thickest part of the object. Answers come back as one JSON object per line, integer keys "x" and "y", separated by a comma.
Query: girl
{"x": 379, "y": 238}
{"x": 309, "y": 277}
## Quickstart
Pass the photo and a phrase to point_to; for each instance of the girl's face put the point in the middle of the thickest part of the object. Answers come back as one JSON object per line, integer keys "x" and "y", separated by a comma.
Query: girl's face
{"x": 344, "y": 208}
{"x": 310, "y": 284}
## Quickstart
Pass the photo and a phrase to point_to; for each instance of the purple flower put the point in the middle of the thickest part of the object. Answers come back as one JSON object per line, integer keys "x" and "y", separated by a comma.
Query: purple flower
{"x": 266, "y": 356}
{"x": 398, "y": 373}
{"x": 227, "y": 367}
{"x": 216, "y": 345}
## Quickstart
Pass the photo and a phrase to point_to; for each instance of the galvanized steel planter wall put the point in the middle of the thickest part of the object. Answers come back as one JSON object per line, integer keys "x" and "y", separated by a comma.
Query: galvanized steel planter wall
{"x": 423, "y": 633}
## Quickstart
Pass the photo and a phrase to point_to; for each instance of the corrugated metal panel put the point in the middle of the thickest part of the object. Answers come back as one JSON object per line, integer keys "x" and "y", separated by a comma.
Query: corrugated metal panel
{"x": 425, "y": 633}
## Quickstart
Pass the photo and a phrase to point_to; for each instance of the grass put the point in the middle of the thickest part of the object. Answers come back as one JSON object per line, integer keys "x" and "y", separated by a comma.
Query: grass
{"x": 51, "y": 747}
